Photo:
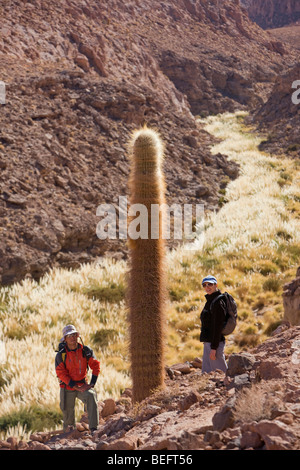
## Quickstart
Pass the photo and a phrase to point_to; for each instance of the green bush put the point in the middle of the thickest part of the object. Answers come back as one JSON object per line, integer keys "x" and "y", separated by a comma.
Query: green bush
{"x": 177, "y": 294}
{"x": 34, "y": 418}
{"x": 271, "y": 284}
{"x": 267, "y": 267}
{"x": 113, "y": 293}
{"x": 102, "y": 338}
{"x": 294, "y": 251}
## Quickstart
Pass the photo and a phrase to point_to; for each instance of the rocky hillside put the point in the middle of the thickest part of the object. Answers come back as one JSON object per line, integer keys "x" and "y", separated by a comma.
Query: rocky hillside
{"x": 80, "y": 76}
{"x": 291, "y": 300}
{"x": 279, "y": 117}
{"x": 256, "y": 406}
{"x": 272, "y": 13}
{"x": 288, "y": 34}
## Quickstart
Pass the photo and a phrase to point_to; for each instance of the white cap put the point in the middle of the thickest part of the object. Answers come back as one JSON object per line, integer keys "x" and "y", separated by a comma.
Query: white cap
{"x": 68, "y": 330}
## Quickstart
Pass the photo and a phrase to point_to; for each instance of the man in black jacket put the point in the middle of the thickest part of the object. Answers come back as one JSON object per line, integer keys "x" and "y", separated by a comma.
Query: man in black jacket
{"x": 213, "y": 317}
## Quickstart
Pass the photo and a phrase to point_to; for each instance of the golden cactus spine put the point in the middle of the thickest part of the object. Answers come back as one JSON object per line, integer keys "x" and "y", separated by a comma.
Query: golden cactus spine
{"x": 146, "y": 283}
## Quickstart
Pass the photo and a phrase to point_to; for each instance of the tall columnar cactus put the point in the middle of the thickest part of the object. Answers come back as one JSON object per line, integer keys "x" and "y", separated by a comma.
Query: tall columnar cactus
{"x": 146, "y": 283}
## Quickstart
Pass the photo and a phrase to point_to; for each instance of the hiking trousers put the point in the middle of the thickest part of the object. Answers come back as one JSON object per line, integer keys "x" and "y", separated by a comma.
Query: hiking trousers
{"x": 67, "y": 406}
{"x": 207, "y": 364}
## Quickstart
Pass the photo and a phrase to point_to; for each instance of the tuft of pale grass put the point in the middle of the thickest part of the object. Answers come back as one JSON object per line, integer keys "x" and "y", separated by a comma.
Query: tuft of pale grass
{"x": 256, "y": 402}
{"x": 18, "y": 431}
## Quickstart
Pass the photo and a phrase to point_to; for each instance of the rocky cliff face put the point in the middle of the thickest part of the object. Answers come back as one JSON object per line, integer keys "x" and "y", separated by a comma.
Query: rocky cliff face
{"x": 289, "y": 35}
{"x": 272, "y": 13}
{"x": 279, "y": 116}
{"x": 291, "y": 300}
{"x": 80, "y": 76}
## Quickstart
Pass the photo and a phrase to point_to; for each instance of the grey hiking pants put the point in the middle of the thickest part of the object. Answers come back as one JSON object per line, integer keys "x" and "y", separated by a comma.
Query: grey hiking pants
{"x": 207, "y": 364}
{"x": 67, "y": 406}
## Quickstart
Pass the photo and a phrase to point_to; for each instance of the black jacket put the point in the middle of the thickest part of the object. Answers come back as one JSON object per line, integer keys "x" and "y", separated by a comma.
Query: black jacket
{"x": 213, "y": 320}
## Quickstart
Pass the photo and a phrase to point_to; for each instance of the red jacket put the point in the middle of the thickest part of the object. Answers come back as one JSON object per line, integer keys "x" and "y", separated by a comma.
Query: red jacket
{"x": 71, "y": 366}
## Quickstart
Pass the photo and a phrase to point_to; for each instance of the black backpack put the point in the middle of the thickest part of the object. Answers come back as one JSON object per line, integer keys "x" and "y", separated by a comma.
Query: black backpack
{"x": 231, "y": 313}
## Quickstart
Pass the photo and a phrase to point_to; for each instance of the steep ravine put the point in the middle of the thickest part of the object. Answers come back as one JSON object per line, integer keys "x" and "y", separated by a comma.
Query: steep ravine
{"x": 254, "y": 198}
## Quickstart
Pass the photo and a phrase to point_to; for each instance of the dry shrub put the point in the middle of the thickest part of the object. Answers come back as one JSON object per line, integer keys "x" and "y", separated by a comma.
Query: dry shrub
{"x": 256, "y": 402}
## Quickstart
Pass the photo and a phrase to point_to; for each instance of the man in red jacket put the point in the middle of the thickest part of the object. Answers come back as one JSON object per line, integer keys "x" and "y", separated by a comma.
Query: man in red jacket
{"x": 71, "y": 365}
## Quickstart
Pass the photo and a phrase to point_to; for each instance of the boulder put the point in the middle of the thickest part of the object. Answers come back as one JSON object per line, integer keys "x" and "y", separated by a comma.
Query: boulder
{"x": 202, "y": 190}
{"x": 109, "y": 408}
{"x": 125, "y": 443}
{"x": 239, "y": 363}
{"x": 184, "y": 367}
{"x": 197, "y": 363}
{"x": 275, "y": 434}
{"x": 250, "y": 440}
{"x": 225, "y": 417}
{"x": 270, "y": 369}
{"x": 240, "y": 381}
{"x": 291, "y": 300}
{"x": 192, "y": 398}
{"x": 82, "y": 61}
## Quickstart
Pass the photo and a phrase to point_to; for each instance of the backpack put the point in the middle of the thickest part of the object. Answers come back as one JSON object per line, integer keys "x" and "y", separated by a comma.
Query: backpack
{"x": 86, "y": 352}
{"x": 231, "y": 313}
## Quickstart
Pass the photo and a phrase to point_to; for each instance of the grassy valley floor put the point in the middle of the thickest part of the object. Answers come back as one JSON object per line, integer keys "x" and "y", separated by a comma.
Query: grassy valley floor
{"x": 251, "y": 245}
